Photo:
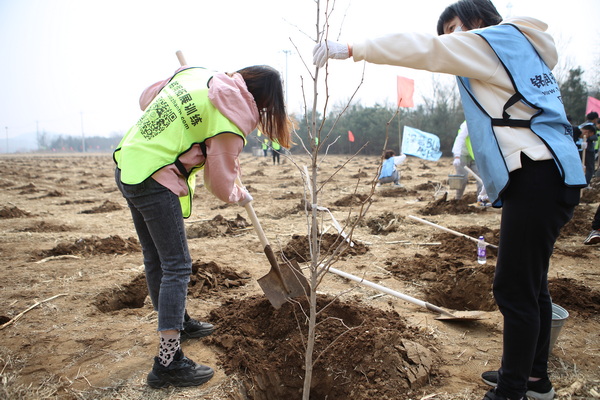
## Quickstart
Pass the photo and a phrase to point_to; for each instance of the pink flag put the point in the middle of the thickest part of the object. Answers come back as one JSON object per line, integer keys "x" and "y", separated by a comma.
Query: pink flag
{"x": 592, "y": 105}
{"x": 406, "y": 89}
{"x": 350, "y": 136}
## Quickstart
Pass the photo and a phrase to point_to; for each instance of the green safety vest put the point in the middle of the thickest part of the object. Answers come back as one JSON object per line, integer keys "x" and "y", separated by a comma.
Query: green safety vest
{"x": 275, "y": 145}
{"x": 180, "y": 116}
{"x": 469, "y": 147}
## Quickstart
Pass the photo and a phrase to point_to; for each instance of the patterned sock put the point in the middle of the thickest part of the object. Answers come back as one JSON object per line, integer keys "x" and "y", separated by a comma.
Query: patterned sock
{"x": 169, "y": 344}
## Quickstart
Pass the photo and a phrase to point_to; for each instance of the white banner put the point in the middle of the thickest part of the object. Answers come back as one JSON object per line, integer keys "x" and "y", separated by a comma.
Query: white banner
{"x": 421, "y": 144}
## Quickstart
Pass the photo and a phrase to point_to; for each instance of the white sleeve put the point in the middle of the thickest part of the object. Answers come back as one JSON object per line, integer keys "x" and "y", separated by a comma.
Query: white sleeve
{"x": 399, "y": 159}
{"x": 459, "y": 142}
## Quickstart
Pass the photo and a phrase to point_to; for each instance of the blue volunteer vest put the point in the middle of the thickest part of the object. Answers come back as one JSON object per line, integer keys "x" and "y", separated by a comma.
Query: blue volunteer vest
{"x": 387, "y": 169}
{"x": 535, "y": 86}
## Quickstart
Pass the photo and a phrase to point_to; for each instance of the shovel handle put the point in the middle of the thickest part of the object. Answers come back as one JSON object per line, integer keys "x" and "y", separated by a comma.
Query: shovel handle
{"x": 384, "y": 289}
{"x": 469, "y": 170}
{"x": 180, "y": 57}
{"x": 259, "y": 231}
{"x": 261, "y": 236}
{"x": 451, "y": 231}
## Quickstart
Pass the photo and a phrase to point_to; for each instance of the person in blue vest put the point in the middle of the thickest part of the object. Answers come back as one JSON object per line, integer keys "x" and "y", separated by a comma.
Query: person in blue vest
{"x": 196, "y": 120}
{"x": 525, "y": 153}
{"x": 389, "y": 169}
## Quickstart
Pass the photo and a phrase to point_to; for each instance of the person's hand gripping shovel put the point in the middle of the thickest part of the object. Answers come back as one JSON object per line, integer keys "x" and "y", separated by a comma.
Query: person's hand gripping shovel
{"x": 284, "y": 280}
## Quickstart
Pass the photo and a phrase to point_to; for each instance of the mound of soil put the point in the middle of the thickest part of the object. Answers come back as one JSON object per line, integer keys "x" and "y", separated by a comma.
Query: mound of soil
{"x": 28, "y": 189}
{"x": 298, "y": 247}
{"x": 445, "y": 206}
{"x": 43, "y": 226}
{"x": 450, "y": 283}
{"x": 396, "y": 191}
{"x": 429, "y": 186}
{"x": 462, "y": 246}
{"x": 383, "y": 224}
{"x": 575, "y": 297}
{"x": 211, "y": 278}
{"x": 355, "y": 199}
{"x": 581, "y": 223}
{"x": 95, "y": 245}
{"x": 107, "y": 206}
{"x": 289, "y": 196}
{"x": 129, "y": 295}
{"x": 592, "y": 193}
{"x": 360, "y": 174}
{"x": 360, "y": 352}
{"x": 218, "y": 226}
{"x": 53, "y": 193}
{"x": 464, "y": 289}
{"x": 13, "y": 212}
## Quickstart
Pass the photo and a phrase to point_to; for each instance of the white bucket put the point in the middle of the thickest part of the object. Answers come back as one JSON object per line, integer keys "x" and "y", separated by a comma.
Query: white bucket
{"x": 455, "y": 181}
{"x": 559, "y": 316}
{"x": 257, "y": 152}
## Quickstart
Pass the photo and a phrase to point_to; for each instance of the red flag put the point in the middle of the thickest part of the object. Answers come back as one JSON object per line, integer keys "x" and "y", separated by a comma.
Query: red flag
{"x": 406, "y": 89}
{"x": 350, "y": 136}
{"x": 592, "y": 105}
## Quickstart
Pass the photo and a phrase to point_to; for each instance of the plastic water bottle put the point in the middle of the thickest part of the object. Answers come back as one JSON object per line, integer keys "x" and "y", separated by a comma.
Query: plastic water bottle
{"x": 481, "y": 251}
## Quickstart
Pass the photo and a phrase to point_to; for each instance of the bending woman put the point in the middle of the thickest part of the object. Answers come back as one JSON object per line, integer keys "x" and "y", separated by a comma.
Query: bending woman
{"x": 195, "y": 120}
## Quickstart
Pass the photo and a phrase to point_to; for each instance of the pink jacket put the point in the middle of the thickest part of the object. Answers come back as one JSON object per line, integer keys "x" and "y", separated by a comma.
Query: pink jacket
{"x": 221, "y": 166}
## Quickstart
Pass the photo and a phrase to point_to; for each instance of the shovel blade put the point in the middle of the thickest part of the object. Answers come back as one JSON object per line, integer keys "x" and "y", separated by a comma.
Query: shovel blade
{"x": 462, "y": 316}
{"x": 287, "y": 283}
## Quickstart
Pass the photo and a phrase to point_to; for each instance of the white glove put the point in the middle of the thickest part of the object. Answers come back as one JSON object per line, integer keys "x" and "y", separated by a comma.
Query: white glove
{"x": 329, "y": 49}
{"x": 483, "y": 196}
{"x": 456, "y": 162}
{"x": 247, "y": 199}
{"x": 584, "y": 145}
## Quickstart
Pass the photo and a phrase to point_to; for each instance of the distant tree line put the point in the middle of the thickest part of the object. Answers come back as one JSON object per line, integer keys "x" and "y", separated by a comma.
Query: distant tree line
{"x": 66, "y": 144}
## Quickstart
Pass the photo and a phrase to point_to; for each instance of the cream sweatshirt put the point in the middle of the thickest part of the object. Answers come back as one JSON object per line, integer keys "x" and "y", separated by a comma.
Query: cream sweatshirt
{"x": 467, "y": 54}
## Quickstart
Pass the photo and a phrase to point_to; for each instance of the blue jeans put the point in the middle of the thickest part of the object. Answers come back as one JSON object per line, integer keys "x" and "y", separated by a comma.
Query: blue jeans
{"x": 158, "y": 221}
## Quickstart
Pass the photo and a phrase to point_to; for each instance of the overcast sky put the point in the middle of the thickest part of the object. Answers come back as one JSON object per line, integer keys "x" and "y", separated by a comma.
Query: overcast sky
{"x": 79, "y": 66}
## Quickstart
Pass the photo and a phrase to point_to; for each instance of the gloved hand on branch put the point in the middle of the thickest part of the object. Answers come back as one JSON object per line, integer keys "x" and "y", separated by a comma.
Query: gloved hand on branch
{"x": 329, "y": 49}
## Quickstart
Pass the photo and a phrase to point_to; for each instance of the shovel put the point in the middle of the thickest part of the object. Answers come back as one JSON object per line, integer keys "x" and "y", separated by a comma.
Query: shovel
{"x": 444, "y": 315}
{"x": 283, "y": 281}
{"x": 493, "y": 246}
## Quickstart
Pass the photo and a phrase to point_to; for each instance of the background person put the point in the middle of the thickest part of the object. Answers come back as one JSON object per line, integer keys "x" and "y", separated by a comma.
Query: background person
{"x": 463, "y": 157}
{"x": 389, "y": 170}
{"x": 275, "y": 151}
{"x": 594, "y": 236}
{"x": 195, "y": 120}
{"x": 588, "y": 150}
{"x": 519, "y": 130}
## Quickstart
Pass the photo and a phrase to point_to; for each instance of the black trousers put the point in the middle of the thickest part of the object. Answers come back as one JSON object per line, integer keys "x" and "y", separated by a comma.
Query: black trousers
{"x": 536, "y": 205}
{"x": 596, "y": 220}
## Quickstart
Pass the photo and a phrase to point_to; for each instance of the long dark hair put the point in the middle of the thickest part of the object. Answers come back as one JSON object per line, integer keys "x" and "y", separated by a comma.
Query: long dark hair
{"x": 469, "y": 12}
{"x": 264, "y": 83}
